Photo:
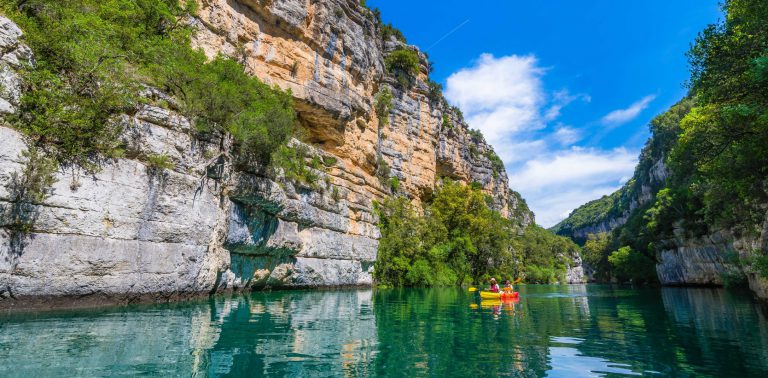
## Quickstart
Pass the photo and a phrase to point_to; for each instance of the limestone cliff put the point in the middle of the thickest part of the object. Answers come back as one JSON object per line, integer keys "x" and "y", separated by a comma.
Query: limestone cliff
{"x": 204, "y": 225}
{"x": 687, "y": 257}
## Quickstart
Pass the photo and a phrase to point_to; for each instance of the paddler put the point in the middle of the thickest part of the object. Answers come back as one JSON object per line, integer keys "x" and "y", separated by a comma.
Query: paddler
{"x": 494, "y": 286}
{"x": 508, "y": 287}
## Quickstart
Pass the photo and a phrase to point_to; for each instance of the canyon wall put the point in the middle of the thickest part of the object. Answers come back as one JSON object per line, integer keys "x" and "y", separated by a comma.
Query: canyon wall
{"x": 202, "y": 225}
{"x": 684, "y": 258}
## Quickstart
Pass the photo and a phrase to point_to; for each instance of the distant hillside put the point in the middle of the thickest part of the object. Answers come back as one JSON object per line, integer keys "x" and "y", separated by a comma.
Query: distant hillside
{"x": 695, "y": 212}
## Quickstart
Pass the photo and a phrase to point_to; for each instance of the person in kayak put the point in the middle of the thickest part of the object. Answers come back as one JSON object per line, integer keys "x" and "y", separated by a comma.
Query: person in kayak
{"x": 494, "y": 286}
{"x": 508, "y": 287}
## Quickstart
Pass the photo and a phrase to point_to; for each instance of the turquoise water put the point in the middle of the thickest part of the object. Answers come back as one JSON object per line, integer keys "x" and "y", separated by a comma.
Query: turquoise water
{"x": 553, "y": 331}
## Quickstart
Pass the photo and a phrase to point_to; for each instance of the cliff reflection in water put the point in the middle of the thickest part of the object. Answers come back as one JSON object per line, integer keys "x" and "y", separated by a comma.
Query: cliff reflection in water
{"x": 552, "y": 331}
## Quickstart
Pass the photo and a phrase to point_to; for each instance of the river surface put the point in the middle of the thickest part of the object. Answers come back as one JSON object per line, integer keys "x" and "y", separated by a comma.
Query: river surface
{"x": 552, "y": 331}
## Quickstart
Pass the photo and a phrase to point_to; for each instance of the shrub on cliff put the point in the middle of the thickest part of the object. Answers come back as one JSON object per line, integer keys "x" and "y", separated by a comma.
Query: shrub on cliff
{"x": 93, "y": 57}
{"x": 403, "y": 63}
{"x": 388, "y": 31}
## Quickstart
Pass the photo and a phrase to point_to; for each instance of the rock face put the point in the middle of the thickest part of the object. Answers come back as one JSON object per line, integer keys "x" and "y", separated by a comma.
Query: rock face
{"x": 684, "y": 259}
{"x": 203, "y": 225}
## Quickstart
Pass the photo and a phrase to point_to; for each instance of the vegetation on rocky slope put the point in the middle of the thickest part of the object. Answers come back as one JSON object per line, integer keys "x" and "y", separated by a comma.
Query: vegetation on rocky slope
{"x": 713, "y": 146}
{"x": 94, "y": 58}
{"x": 460, "y": 239}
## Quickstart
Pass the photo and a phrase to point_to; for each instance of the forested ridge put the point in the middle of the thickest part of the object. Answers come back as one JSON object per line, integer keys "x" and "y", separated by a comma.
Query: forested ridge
{"x": 704, "y": 168}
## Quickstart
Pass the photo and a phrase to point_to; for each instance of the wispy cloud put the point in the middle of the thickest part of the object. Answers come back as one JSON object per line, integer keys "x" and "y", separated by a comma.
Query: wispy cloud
{"x": 559, "y": 181}
{"x": 622, "y": 116}
{"x": 506, "y": 99}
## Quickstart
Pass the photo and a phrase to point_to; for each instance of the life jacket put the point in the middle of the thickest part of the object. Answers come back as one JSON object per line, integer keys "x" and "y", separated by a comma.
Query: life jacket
{"x": 495, "y": 288}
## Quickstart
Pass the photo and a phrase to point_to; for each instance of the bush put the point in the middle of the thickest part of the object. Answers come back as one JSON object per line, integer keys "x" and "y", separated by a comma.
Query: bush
{"x": 435, "y": 93}
{"x": 94, "y": 57}
{"x": 26, "y": 190}
{"x": 329, "y": 161}
{"x": 458, "y": 112}
{"x": 447, "y": 122}
{"x": 394, "y": 184}
{"x": 403, "y": 63}
{"x": 383, "y": 105}
{"x": 540, "y": 275}
{"x": 497, "y": 165}
{"x": 388, "y": 31}
{"x": 160, "y": 162}
{"x": 629, "y": 264}
{"x": 290, "y": 162}
{"x": 476, "y": 135}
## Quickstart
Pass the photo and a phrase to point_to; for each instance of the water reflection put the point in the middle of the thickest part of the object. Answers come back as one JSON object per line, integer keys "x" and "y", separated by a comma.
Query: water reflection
{"x": 580, "y": 330}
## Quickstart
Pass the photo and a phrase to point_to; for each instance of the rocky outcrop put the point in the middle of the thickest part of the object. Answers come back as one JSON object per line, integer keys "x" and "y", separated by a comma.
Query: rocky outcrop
{"x": 574, "y": 273}
{"x": 200, "y": 224}
{"x": 712, "y": 259}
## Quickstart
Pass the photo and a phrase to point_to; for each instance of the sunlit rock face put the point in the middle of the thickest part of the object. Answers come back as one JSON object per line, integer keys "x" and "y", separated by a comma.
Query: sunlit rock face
{"x": 206, "y": 226}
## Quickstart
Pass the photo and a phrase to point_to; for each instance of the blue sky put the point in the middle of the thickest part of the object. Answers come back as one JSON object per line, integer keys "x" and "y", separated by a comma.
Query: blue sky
{"x": 563, "y": 90}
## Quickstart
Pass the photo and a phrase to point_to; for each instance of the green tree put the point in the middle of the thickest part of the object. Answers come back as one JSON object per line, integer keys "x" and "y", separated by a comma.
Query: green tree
{"x": 629, "y": 264}
{"x": 403, "y": 63}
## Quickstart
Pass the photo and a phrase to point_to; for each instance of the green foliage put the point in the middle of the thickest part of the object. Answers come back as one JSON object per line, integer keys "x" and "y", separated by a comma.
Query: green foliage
{"x": 394, "y": 184}
{"x": 497, "y": 165}
{"x": 458, "y": 238}
{"x": 221, "y": 97}
{"x": 435, "y": 94}
{"x": 403, "y": 63}
{"x": 382, "y": 168}
{"x": 329, "y": 161}
{"x": 160, "y": 162}
{"x": 94, "y": 57}
{"x": 760, "y": 264}
{"x": 476, "y": 135}
{"x": 665, "y": 128}
{"x": 458, "y": 113}
{"x": 290, "y": 162}
{"x": 543, "y": 256}
{"x": 595, "y": 254}
{"x": 388, "y": 31}
{"x": 26, "y": 190}
{"x": 383, "y": 105}
{"x": 336, "y": 194}
{"x": 447, "y": 122}
{"x": 473, "y": 152}
{"x": 721, "y": 157}
{"x": 629, "y": 264}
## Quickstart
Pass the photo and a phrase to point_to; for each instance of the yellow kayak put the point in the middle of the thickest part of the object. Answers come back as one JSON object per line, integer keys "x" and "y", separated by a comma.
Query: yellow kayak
{"x": 492, "y": 295}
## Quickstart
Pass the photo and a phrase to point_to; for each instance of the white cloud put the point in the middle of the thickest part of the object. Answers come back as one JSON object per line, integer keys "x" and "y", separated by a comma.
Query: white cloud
{"x": 566, "y": 135}
{"x": 499, "y": 95}
{"x": 556, "y": 184}
{"x": 621, "y": 116}
{"x": 505, "y": 98}
{"x": 570, "y": 166}
{"x": 561, "y": 99}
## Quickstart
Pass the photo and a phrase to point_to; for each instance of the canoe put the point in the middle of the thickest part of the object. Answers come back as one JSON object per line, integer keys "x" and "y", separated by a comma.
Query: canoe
{"x": 490, "y": 295}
